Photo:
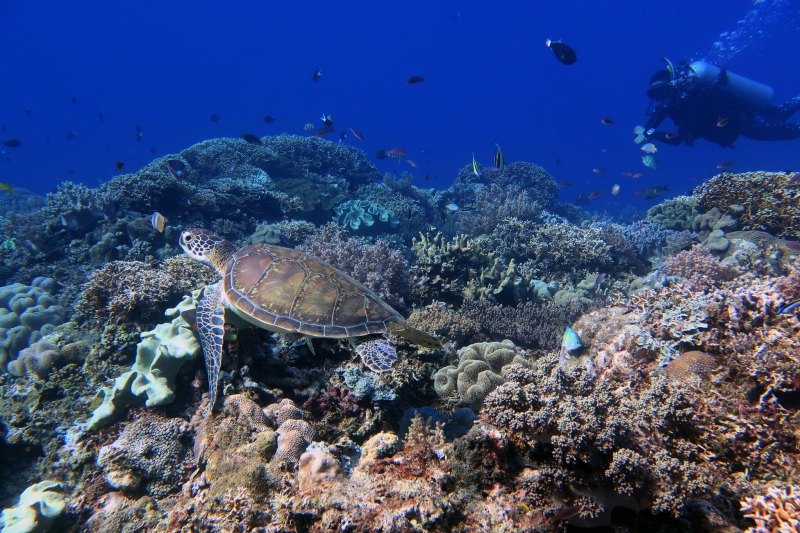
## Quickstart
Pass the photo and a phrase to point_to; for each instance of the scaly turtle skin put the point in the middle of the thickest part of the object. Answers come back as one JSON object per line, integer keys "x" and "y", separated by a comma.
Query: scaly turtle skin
{"x": 285, "y": 291}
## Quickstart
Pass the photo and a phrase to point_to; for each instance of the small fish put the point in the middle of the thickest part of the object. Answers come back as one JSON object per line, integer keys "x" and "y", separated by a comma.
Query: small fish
{"x": 492, "y": 169}
{"x": 285, "y": 239}
{"x": 308, "y": 127}
{"x": 214, "y": 117}
{"x": 566, "y": 512}
{"x": 357, "y": 134}
{"x": 670, "y": 135}
{"x": 581, "y": 199}
{"x": 565, "y": 184}
{"x": 638, "y": 175}
{"x": 233, "y": 166}
{"x": 100, "y": 116}
{"x": 650, "y": 161}
{"x": 452, "y": 207}
{"x": 397, "y": 153}
{"x": 139, "y": 136}
{"x": 327, "y": 120}
{"x": 8, "y": 187}
{"x": 638, "y": 130}
{"x": 649, "y": 148}
{"x": 414, "y": 80}
{"x": 599, "y": 279}
{"x": 652, "y": 192}
{"x": 324, "y": 130}
{"x": 558, "y": 161}
{"x": 250, "y": 138}
{"x": 158, "y": 221}
{"x": 595, "y": 194}
{"x": 74, "y": 100}
{"x": 615, "y": 190}
{"x": 792, "y": 245}
{"x": 599, "y": 171}
{"x": 317, "y": 75}
{"x": 120, "y": 166}
{"x": 28, "y": 111}
{"x": 475, "y": 165}
{"x": 153, "y": 151}
{"x": 342, "y": 136}
{"x": 499, "y": 161}
{"x": 795, "y": 178}
{"x": 172, "y": 171}
{"x": 571, "y": 341}
{"x": 69, "y": 136}
{"x": 789, "y": 308}
{"x": 410, "y": 162}
{"x": 721, "y": 123}
{"x": 427, "y": 176}
{"x": 607, "y": 121}
{"x": 627, "y": 173}
{"x": 725, "y": 164}
{"x": 269, "y": 119}
{"x": 12, "y": 143}
{"x": 563, "y": 52}
{"x": 138, "y": 128}
{"x": 454, "y": 16}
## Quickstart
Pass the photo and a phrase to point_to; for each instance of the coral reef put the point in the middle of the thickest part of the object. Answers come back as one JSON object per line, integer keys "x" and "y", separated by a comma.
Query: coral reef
{"x": 39, "y": 505}
{"x": 354, "y": 213}
{"x": 677, "y": 213}
{"x": 777, "y": 510}
{"x": 27, "y": 313}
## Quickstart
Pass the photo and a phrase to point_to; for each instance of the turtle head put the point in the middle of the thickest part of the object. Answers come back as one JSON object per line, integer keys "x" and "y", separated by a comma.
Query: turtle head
{"x": 205, "y": 246}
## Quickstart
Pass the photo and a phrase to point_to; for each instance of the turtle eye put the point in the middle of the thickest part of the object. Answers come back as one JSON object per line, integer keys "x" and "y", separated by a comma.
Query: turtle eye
{"x": 188, "y": 238}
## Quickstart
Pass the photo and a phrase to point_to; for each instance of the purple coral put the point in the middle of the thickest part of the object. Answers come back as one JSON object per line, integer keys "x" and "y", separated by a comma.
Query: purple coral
{"x": 381, "y": 268}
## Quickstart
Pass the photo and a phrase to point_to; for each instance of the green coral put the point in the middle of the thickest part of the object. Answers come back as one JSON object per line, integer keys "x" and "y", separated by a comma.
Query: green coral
{"x": 676, "y": 213}
{"x": 38, "y": 506}
{"x": 353, "y": 213}
{"x": 159, "y": 356}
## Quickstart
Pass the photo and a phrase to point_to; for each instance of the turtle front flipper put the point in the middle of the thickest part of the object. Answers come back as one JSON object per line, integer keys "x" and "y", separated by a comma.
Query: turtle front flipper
{"x": 419, "y": 337}
{"x": 211, "y": 325}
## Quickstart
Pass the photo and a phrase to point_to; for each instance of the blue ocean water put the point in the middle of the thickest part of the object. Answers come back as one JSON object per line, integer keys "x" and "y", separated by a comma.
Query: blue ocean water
{"x": 166, "y": 67}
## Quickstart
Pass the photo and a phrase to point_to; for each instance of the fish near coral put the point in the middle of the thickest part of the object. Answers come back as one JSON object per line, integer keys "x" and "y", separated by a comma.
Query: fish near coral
{"x": 692, "y": 362}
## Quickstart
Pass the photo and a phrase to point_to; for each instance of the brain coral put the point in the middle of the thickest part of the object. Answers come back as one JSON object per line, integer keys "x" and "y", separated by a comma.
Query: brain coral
{"x": 770, "y": 202}
{"x": 26, "y": 315}
{"x": 152, "y": 447}
{"x": 480, "y": 370}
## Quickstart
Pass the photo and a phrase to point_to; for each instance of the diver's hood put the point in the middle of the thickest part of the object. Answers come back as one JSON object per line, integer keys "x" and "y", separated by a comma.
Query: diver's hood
{"x": 661, "y": 87}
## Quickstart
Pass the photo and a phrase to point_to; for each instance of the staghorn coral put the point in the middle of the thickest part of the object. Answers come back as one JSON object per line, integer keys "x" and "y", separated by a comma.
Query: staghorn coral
{"x": 445, "y": 322}
{"x": 379, "y": 267}
{"x": 480, "y": 370}
{"x": 151, "y": 448}
{"x": 777, "y": 511}
{"x": 770, "y": 203}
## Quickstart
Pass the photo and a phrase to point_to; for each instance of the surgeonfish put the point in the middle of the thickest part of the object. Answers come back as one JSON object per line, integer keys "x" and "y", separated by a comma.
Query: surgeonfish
{"x": 475, "y": 165}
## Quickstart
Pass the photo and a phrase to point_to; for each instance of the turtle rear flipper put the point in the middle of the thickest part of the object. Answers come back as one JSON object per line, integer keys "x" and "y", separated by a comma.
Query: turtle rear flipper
{"x": 419, "y": 337}
{"x": 211, "y": 326}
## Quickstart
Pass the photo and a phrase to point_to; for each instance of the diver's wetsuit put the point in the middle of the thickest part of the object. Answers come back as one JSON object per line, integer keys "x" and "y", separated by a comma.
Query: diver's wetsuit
{"x": 714, "y": 114}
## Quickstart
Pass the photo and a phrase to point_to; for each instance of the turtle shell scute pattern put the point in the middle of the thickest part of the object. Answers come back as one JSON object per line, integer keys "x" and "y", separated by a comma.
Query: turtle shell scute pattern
{"x": 296, "y": 293}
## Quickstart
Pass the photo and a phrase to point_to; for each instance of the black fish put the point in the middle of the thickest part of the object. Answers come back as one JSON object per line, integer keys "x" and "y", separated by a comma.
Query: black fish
{"x": 100, "y": 116}
{"x": 652, "y": 192}
{"x": 214, "y": 117}
{"x": 563, "y": 52}
{"x": 74, "y": 100}
{"x": 454, "y": 16}
{"x": 317, "y": 75}
{"x": 69, "y": 135}
{"x": 12, "y": 143}
{"x": 342, "y": 136}
{"x": 176, "y": 164}
{"x": 269, "y": 119}
{"x": 138, "y": 128}
{"x": 28, "y": 111}
{"x": 120, "y": 166}
{"x": 139, "y": 136}
{"x": 252, "y": 139}
{"x": 414, "y": 80}
{"x": 153, "y": 151}
{"x": 381, "y": 154}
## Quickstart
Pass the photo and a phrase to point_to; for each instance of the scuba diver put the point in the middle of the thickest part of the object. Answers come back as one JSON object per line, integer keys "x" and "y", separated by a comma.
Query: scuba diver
{"x": 709, "y": 102}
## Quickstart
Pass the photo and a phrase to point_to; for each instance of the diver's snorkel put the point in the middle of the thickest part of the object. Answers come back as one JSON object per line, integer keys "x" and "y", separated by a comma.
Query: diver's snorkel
{"x": 748, "y": 91}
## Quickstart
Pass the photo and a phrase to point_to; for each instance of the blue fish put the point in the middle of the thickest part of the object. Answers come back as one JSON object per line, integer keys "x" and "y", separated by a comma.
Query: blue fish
{"x": 790, "y": 308}
{"x": 571, "y": 341}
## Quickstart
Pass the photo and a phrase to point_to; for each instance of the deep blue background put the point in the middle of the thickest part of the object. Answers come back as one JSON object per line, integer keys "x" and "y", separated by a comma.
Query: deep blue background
{"x": 167, "y": 66}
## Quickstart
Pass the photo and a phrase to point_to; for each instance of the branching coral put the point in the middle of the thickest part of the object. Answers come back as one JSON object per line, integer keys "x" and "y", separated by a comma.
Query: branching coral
{"x": 776, "y": 511}
{"x": 699, "y": 262}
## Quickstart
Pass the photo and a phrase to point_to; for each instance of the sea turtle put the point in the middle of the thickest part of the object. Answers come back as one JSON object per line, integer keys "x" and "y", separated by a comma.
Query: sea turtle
{"x": 286, "y": 291}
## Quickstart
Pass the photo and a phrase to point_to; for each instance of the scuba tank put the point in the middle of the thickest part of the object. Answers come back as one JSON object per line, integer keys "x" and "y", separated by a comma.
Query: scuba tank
{"x": 751, "y": 92}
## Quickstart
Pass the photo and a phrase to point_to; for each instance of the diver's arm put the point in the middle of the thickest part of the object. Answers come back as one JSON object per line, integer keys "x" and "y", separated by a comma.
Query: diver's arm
{"x": 656, "y": 118}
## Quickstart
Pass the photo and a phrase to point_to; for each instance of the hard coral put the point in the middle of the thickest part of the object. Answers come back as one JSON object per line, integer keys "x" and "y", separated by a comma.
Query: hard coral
{"x": 152, "y": 447}
{"x": 699, "y": 262}
{"x": 770, "y": 202}
{"x": 778, "y": 511}
{"x": 317, "y": 467}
